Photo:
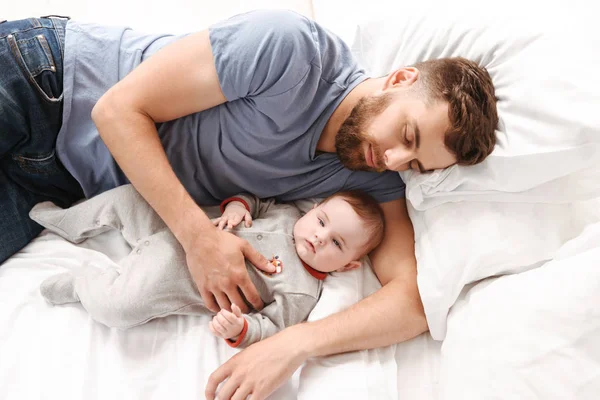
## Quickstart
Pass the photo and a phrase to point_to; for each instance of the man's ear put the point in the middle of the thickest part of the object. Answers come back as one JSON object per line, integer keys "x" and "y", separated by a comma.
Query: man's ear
{"x": 350, "y": 266}
{"x": 405, "y": 76}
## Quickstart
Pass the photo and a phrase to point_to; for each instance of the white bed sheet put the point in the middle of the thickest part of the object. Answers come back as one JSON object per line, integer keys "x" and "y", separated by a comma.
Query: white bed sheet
{"x": 59, "y": 352}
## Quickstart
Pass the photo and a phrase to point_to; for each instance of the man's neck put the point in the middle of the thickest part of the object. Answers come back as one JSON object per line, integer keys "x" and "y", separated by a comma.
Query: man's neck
{"x": 326, "y": 142}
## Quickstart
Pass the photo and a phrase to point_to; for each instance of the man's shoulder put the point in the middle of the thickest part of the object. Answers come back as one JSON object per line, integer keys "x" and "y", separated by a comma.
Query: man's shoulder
{"x": 281, "y": 19}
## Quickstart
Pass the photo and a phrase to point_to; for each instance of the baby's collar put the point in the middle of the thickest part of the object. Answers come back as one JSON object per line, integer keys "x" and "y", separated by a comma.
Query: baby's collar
{"x": 317, "y": 274}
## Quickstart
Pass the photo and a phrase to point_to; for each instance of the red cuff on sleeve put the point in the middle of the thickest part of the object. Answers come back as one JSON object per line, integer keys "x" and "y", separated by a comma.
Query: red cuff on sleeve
{"x": 229, "y": 200}
{"x": 240, "y": 338}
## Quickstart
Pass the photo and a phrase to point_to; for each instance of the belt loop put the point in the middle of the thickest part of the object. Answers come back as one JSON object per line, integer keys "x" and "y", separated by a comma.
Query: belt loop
{"x": 56, "y": 16}
{"x": 59, "y": 31}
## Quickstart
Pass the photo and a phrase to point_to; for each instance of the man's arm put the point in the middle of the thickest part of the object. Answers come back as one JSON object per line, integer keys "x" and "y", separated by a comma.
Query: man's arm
{"x": 391, "y": 315}
{"x": 178, "y": 80}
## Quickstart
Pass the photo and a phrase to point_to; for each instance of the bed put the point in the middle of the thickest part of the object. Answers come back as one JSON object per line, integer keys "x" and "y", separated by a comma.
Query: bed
{"x": 508, "y": 252}
{"x": 49, "y": 352}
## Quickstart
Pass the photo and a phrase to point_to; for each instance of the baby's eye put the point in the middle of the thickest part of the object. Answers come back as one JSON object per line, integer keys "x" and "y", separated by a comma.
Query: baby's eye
{"x": 337, "y": 243}
{"x": 321, "y": 222}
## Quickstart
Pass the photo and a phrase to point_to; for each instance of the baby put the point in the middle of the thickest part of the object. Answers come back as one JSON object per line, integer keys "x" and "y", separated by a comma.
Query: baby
{"x": 154, "y": 281}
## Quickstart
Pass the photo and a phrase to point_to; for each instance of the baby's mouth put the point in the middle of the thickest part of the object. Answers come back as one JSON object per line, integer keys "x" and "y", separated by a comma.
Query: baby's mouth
{"x": 310, "y": 246}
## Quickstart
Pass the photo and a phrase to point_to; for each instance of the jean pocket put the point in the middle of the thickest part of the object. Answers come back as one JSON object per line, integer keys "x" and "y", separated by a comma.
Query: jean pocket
{"x": 38, "y": 164}
{"x": 35, "y": 60}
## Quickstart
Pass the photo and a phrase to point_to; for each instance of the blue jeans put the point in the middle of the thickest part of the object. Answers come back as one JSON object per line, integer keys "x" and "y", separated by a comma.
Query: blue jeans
{"x": 31, "y": 61}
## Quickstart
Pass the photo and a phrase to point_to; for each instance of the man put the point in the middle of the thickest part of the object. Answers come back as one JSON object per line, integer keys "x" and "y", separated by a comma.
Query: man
{"x": 265, "y": 102}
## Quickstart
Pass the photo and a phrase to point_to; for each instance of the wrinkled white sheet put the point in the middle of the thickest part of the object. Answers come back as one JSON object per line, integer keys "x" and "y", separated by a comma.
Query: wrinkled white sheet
{"x": 533, "y": 335}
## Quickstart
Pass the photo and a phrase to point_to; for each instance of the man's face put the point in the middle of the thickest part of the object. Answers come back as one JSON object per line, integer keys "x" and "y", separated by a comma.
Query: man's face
{"x": 396, "y": 131}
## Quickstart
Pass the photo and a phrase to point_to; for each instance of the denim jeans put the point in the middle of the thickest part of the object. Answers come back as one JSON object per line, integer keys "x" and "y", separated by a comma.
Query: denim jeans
{"x": 31, "y": 61}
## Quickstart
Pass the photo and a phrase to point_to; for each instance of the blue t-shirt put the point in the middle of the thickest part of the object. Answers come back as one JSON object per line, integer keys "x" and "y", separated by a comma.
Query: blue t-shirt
{"x": 283, "y": 76}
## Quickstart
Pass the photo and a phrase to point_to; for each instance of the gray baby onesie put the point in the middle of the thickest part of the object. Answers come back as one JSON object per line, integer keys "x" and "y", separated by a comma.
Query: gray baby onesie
{"x": 154, "y": 281}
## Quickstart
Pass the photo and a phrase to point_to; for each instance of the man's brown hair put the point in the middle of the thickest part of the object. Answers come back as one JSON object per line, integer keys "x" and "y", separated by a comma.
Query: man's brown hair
{"x": 469, "y": 91}
{"x": 369, "y": 211}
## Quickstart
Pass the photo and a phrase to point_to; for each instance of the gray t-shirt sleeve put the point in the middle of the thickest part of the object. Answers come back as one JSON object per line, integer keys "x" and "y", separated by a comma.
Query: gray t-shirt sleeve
{"x": 265, "y": 52}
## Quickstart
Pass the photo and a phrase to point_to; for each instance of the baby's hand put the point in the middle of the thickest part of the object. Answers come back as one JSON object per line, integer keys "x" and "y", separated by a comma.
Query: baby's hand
{"x": 234, "y": 213}
{"x": 227, "y": 325}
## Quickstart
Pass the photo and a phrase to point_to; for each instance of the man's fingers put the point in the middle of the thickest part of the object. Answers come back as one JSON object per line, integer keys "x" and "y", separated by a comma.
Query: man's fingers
{"x": 215, "y": 379}
{"x": 228, "y": 388}
{"x": 257, "y": 259}
{"x": 251, "y": 294}
{"x": 209, "y": 300}
{"x": 223, "y": 301}
{"x": 236, "y": 298}
{"x": 240, "y": 394}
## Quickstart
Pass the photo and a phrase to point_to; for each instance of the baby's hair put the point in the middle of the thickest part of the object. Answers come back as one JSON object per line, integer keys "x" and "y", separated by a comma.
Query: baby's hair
{"x": 369, "y": 211}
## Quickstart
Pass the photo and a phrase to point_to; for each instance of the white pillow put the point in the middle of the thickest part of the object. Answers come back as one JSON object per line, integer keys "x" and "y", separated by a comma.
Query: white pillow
{"x": 544, "y": 68}
{"x": 457, "y": 244}
{"x": 534, "y": 335}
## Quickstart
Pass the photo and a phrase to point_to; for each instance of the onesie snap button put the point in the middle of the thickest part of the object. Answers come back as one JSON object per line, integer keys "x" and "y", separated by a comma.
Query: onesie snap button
{"x": 138, "y": 251}
{"x": 146, "y": 242}
{"x": 259, "y": 237}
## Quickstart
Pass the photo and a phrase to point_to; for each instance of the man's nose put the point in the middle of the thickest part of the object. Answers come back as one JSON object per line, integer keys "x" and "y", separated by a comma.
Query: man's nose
{"x": 397, "y": 159}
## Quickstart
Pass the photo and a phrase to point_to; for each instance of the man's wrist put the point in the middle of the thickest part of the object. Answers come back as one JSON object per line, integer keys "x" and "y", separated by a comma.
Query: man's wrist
{"x": 303, "y": 341}
{"x": 193, "y": 225}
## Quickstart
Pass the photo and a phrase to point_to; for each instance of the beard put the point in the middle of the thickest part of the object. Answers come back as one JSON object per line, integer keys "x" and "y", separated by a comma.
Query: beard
{"x": 352, "y": 140}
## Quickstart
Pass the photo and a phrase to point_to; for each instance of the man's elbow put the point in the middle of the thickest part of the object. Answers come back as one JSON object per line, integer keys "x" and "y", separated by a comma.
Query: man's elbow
{"x": 103, "y": 112}
{"x": 408, "y": 298}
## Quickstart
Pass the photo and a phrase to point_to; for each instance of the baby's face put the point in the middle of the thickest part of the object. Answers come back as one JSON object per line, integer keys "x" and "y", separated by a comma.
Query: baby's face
{"x": 330, "y": 236}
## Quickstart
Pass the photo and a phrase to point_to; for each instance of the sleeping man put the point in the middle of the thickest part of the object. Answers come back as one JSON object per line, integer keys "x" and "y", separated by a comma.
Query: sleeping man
{"x": 267, "y": 102}
{"x": 154, "y": 280}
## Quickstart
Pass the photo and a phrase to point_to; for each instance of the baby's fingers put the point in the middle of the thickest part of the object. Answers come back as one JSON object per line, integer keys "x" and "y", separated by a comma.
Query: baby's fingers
{"x": 212, "y": 328}
{"x": 236, "y": 310}
{"x": 227, "y": 317}
{"x": 226, "y": 321}
{"x": 233, "y": 221}
{"x": 248, "y": 219}
{"x": 221, "y": 327}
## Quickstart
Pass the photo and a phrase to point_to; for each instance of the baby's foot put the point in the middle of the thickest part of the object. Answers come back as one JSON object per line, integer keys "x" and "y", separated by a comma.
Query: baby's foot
{"x": 59, "y": 289}
{"x": 46, "y": 211}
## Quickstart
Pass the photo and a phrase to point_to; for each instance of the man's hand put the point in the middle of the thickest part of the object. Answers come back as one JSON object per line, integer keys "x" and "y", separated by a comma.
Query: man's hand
{"x": 227, "y": 325}
{"x": 259, "y": 369}
{"x": 234, "y": 213}
{"x": 216, "y": 262}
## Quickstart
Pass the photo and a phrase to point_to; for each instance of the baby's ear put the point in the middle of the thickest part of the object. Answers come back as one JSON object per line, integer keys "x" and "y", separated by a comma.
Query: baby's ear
{"x": 350, "y": 266}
